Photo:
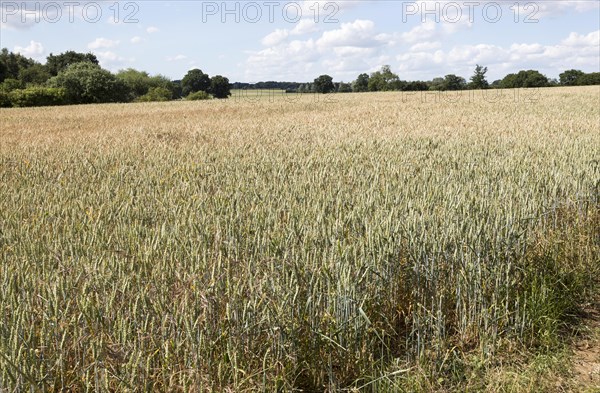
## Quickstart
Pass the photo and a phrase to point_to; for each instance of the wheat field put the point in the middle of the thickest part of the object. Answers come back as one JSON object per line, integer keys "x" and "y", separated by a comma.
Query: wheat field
{"x": 365, "y": 242}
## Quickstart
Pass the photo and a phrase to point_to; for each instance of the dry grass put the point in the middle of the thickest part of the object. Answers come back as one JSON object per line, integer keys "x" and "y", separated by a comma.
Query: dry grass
{"x": 367, "y": 241}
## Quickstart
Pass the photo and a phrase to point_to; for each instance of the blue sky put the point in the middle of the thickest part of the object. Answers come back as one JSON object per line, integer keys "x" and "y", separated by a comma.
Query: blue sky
{"x": 300, "y": 40}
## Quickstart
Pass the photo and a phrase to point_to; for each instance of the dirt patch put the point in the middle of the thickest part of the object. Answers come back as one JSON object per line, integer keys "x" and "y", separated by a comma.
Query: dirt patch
{"x": 586, "y": 353}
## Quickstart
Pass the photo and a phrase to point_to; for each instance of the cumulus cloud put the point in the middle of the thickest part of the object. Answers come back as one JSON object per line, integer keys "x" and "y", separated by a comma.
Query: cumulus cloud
{"x": 111, "y": 60}
{"x": 34, "y": 49}
{"x": 425, "y": 46}
{"x": 136, "y": 40}
{"x": 347, "y": 49}
{"x": 275, "y": 38}
{"x": 152, "y": 29}
{"x": 577, "y": 50}
{"x": 580, "y": 40}
{"x": 100, "y": 43}
{"x": 305, "y": 26}
{"x": 422, "y": 32}
{"x": 359, "y": 33}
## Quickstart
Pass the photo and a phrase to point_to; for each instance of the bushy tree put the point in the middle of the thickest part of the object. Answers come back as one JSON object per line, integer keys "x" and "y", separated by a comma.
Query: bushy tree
{"x": 376, "y": 82}
{"x": 529, "y": 78}
{"x": 37, "y": 96}
{"x": 177, "y": 89}
{"x": 571, "y": 77}
{"x": 5, "y": 99}
{"x": 437, "y": 84}
{"x": 454, "y": 82}
{"x": 195, "y": 80}
{"x": 361, "y": 84}
{"x": 58, "y": 63}
{"x": 156, "y": 94}
{"x": 37, "y": 74}
{"x": 593, "y": 78}
{"x": 415, "y": 86}
{"x": 140, "y": 82}
{"x": 11, "y": 64}
{"x": 478, "y": 80}
{"x": 384, "y": 80}
{"x": 11, "y": 84}
{"x": 344, "y": 88}
{"x": 496, "y": 84}
{"x": 198, "y": 96}
{"x": 87, "y": 83}
{"x": 324, "y": 84}
{"x": 219, "y": 87}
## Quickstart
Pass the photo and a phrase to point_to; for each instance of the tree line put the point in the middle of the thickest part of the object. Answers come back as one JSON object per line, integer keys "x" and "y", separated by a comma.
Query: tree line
{"x": 77, "y": 78}
{"x": 386, "y": 80}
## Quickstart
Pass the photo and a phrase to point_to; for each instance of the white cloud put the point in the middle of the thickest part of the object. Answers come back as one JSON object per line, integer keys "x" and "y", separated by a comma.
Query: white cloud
{"x": 358, "y": 33}
{"x": 579, "y": 40}
{"x": 276, "y": 37}
{"x": 112, "y": 60}
{"x": 136, "y": 40}
{"x": 422, "y": 32}
{"x": 177, "y": 58}
{"x": 425, "y": 46}
{"x": 526, "y": 49}
{"x": 100, "y": 43}
{"x": 349, "y": 48}
{"x": 544, "y": 9}
{"x": 34, "y": 49}
{"x": 352, "y": 51}
{"x": 305, "y": 26}
{"x": 152, "y": 29}
{"x": 575, "y": 51}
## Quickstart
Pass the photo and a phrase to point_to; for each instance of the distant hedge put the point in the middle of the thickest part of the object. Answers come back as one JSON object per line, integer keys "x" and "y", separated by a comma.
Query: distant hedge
{"x": 33, "y": 96}
{"x": 199, "y": 95}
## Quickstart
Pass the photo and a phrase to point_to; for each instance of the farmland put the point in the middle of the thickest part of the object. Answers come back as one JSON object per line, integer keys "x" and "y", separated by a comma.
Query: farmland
{"x": 376, "y": 241}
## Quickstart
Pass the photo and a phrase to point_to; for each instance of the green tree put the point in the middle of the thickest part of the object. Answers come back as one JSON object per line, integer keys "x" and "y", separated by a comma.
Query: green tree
{"x": 377, "y": 82}
{"x": 37, "y": 74}
{"x": 156, "y": 94}
{"x": 571, "y": 77}
{"x": 87, "y": 83}
{"x": 437, "y": 84}
{"x": 140, "y": 82}
{"x": 593, "y": 78}
{"x": 392, "y": 82}
{"x": 195, "y": 80}
{"x": 454, "y": 82}
{"x": 198, "y": 96}
{"x": 177, "y": 89}
{"x": 219, "y": 87}
{"x": 529, "y": 78}
{"x": 384, "y": 80}
{"x": 478, "y": 80}
{"x": 11, "y": 84}
{"x": 11, "y": 64}
{"x": 344, "y": 88}
{"x": 57, "y": 63}
{"x": 361, "y": 84}
{"x": 324, "y": 84}
{"x": 37, "y": 96}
